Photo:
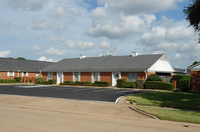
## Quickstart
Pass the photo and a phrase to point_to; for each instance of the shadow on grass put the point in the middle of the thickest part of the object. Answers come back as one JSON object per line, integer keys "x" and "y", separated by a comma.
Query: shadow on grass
{"x": 173, "y": 99}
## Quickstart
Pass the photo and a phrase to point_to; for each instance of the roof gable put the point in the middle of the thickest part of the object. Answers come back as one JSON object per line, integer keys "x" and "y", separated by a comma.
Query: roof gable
{"x": 10, "y": 64}
{"x": 109, "y": 63}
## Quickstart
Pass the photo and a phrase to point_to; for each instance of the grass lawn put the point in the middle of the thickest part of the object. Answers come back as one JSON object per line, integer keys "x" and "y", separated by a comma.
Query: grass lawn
{"x": 168, "y": 99}
{"x": 173, "y": 115}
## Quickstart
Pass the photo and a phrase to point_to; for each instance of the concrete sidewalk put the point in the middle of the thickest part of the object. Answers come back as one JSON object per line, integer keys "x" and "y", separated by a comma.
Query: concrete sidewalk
{"x": 22, "y": 114}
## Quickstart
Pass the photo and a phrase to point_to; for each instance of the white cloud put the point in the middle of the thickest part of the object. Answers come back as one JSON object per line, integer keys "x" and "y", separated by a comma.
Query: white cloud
{"x": 79, "y": 45}
{"x": 45, "y": 24}
{"x": 36, "y": 48}
{"x": 32, "y": 5}
{"x": 56, "y": 52}
{"x": 140, "y": 6}
{"x": 43, "y": 58}
{"x": 178, "y": 56}
{"x": 4, "y": 53}
{"x": 105, "y": 45}
{"x": 119, "y": 27}
{"x": 60, "y": 12}
{"x": 99, "y": 13}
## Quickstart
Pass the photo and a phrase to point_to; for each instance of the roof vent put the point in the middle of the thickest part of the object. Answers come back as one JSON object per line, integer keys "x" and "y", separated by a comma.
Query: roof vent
{"x": 135, "y": 54}
{"x": 82, "y": 56}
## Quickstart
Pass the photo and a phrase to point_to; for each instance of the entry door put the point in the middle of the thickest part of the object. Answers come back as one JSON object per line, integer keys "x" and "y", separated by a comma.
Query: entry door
{"x": 59, "y": 77}
{"x": 115, "y": 77}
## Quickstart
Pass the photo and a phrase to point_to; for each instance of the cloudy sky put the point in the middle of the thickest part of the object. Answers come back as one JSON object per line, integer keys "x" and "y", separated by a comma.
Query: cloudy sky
{"x": 50, "y": 30}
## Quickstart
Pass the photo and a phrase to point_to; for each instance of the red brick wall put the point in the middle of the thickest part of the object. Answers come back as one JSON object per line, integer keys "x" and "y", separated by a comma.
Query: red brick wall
{"x": 106, "y": 76}
{"x": 124, "y": 75}
{"x": 3, "y": 75}
{"x": 55, "y": 75}
{"x": 149, "y": 73}
{"x": 44, "y": 75}
{"x": 141, "y": 75}
{"x": 195, "y": 80}
{"x": 85, "y": 76}
{"x": 68, "y": 76}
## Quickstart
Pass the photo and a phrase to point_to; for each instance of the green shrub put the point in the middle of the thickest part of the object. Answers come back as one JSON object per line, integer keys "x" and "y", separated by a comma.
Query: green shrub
{"x": 39, "y": 80}
{"x": 7, "y": 81}
{"x": 17, "y": 79}
{"x": 130, "y": 84}
{"x": 140, "y": 83}
{"x": 180, "y": 77}
{"x": 154, "y": 77}
{"x": 68, "y": 83}
{"x": 184, "y": 85}
{"x": 52, "y": 81}
{"x": 30, "y": 81}
{"x": 101, "y": 83}
{"x": 45, "y": 82}
{"x": 120, "y": 83}
{"x": 159, "y": 85}
{"x": 83, "y": 83}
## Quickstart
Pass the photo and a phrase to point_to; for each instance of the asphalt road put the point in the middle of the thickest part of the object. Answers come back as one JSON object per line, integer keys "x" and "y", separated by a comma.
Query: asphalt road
{"x": 83, "y": 93}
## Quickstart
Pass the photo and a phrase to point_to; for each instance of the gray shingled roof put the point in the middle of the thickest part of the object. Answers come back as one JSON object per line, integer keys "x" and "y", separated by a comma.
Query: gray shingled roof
{"x": 138, "y": 63}
{"x": 10, "y": 64}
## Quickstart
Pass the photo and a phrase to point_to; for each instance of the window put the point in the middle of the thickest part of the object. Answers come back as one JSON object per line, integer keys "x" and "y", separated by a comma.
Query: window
{"x": 37, "y": 75}
{"x": 24, "y": 74}
{"x": 96, "y": 76}
{"x": 76, "y": 76}
{"x": 10, "y": 74}
{"x": 49, "y": 75}
{"x": 132, "y": 76}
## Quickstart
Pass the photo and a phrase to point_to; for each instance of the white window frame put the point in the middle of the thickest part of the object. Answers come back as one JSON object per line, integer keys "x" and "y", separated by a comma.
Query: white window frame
{"x": 74, "y": 78}
{"x": 49, "y": 75}
{"x": 37, "y": 74}
{"x": 134, "y": 73}
{"x": 9, "y": 74}
{"x": 93, "y": 76}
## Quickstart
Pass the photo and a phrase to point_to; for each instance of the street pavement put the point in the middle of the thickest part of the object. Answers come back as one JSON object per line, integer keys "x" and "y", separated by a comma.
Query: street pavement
{"x": 38, "y": 114}
{"x": 80, "y": 93}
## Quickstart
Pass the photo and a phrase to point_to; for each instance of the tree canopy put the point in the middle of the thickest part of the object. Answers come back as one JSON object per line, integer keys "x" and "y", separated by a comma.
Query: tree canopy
{"x": 21, "y": 58}
{"x": 192, "y": 12}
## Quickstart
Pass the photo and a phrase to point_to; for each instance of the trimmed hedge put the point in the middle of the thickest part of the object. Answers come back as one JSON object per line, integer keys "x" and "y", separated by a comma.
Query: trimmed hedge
{"x": 83, "y": 83}
{"x": 68, "y": 83}
{"x": 159, "y": 85}
{"x": 180, "y": 77}
{"x": 122, "y": 83}
{"x": 87, "y": 83}
{"x": 17, "y": 79}
{"x": 101, "y": 83}
{"x": 39, "y": 80}
{"x": 7, "y": 81}
{"x": 52, "y": 81}
{"x": 154, "y": 77}
{"x": 140, "y": 83}
{"x": 184, "y": 85}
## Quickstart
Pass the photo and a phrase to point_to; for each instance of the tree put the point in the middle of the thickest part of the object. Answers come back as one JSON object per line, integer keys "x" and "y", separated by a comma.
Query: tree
{"x": 21, "y": 58}
{"x": 193, "y": 15}
{"x": 195, "y": 62}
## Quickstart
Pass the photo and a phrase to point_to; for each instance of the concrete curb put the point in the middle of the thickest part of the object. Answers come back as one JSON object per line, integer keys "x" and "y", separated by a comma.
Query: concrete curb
{"x": 143, "y": 113}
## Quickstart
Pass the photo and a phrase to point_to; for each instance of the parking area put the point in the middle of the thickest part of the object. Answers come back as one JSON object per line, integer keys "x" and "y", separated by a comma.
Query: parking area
{"x": 80, "y": 93}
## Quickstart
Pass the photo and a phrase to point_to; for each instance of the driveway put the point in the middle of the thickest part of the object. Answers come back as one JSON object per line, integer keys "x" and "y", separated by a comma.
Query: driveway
{"x": 80, "y": 93}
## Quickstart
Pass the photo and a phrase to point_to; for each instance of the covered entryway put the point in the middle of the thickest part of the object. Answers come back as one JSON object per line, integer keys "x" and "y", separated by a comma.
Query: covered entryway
{"x": 59, "y": 77}
{"x": 115, "y": 77}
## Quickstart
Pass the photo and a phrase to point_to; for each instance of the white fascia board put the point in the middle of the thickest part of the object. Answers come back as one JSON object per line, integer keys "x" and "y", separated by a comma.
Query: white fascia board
{"x": 161, "y": 65}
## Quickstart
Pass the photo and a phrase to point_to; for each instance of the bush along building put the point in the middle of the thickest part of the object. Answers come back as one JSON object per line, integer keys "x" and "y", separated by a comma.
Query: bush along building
{"x": 194, "y": 71}
{"x": 108, "y": 68}
{"x": 27, "y": 70}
